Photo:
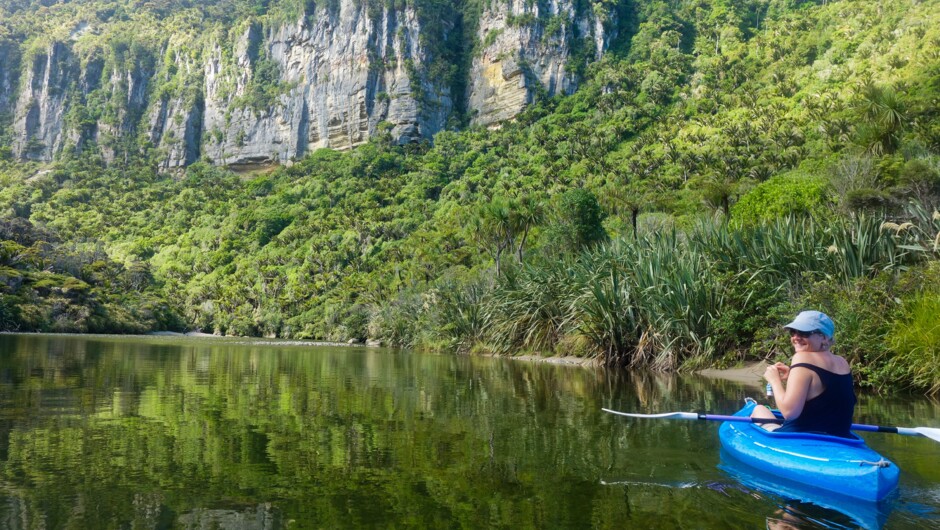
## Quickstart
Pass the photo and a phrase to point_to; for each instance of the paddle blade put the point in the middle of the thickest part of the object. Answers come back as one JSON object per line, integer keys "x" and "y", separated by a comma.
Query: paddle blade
{"x": 933, "y": 434}
{"x": 665, "y": 415}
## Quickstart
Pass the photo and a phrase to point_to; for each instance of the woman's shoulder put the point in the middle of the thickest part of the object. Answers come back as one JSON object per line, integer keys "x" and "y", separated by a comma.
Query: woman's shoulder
{"x": 842, "y": 365}
{"x": 832, "y": 363}
{"x": 803, "y": 358}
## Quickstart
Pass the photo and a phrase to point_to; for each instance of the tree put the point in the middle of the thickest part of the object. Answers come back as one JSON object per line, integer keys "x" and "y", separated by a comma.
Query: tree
{"x": 526, "y": 213}
{"x": 17, "y": 256}
{"x": 920, "y": 180}
{"x": 578, "y": 221}
{"x": 782, "y": 196}
{"x": 491, "y": 226}
{"x": 884, "y": 117}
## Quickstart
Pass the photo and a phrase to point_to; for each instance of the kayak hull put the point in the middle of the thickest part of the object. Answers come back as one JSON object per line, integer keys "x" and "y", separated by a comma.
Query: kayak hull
{"x": 806, "y": 500}
{"x": 845, "y": 466}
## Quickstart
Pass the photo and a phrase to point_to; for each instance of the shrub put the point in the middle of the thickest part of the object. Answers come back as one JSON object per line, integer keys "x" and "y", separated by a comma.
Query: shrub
{"x": 355, "y": 323}
{"x": 531, "y": 307}
{"x": 458, "y": 319}
{"x": 398, "y": 323}
{"x": 9, "y": 314}
{"x": 578, "y": 221}
{"x": 608, "y": 319}
{"x": 781, "y": 196}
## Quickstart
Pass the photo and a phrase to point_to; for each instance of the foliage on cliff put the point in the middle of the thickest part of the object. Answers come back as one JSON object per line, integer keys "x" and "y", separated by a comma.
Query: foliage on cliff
{"x": 747, "y": 112}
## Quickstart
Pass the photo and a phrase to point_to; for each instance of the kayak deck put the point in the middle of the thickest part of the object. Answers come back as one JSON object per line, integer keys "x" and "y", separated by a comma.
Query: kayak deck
{"x": 843, "y": 465}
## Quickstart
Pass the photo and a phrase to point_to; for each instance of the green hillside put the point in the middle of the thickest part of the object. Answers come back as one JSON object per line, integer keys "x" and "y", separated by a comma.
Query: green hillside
{"x": 726, "y": 164}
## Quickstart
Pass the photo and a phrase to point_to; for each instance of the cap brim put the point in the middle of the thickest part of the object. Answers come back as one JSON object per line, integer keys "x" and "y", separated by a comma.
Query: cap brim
{"x": 800, "y": 326}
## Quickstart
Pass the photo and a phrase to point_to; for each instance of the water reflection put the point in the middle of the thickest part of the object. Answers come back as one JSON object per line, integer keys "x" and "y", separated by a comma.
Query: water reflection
{"x": 154, "y": 433}
{"x": 802, "y": 506}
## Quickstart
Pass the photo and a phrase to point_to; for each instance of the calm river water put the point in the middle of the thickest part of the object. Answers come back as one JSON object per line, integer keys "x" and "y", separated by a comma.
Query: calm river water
{"x": 117, "y": 432}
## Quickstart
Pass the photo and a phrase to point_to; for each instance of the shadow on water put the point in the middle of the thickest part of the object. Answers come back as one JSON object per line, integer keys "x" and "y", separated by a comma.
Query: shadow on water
{"x": 118, "y": 432}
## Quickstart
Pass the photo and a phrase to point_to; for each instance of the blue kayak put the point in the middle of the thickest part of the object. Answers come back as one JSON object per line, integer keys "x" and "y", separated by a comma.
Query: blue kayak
{"x": 845, "y": 466}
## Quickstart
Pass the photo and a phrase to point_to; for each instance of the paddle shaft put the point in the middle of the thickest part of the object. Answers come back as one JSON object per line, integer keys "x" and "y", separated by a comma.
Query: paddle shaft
{"x": 929, "y": 432}
{"x": 745, "y": 419}
{"x": 741, "y": 419}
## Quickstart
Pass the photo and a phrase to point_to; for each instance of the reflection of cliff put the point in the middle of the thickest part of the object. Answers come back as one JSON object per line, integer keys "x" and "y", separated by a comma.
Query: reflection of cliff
{"x": 262, "y": 93}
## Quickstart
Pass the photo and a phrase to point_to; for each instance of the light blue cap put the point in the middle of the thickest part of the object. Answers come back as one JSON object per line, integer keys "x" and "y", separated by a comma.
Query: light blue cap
{"x": 813, "y": 321}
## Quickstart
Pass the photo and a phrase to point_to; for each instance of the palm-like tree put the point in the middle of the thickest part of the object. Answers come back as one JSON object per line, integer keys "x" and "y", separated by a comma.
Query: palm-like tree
{"x": 883, "y": 116}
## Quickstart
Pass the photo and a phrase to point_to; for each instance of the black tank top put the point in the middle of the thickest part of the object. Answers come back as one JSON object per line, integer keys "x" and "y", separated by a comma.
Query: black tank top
{"x": 830, "y": 412}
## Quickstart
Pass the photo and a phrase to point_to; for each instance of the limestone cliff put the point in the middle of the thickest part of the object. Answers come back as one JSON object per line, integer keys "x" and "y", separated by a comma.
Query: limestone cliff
{"x": 265, "y": 92}
{"x": 528, "y": 47}
{"x": 175, "y": 117}
{"x": 39, "y": 125}
{"x": 340, "y": 75}
{"x": 8, "y": 68}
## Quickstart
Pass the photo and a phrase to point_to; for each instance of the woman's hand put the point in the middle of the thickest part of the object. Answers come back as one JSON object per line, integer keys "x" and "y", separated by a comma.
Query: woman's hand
{"x": 776, "y": 372}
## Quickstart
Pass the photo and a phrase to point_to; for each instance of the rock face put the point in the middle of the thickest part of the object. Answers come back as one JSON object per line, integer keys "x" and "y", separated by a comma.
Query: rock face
{"x": 340, "y": 76}
{"x": 128, "y": 89}
{"x": 8, "y": 68}
{"x": 527, "y": 47}
{"x": 40, "y": 109}
{"x": 175, "y": 118}
{"x": 271, "y": 94}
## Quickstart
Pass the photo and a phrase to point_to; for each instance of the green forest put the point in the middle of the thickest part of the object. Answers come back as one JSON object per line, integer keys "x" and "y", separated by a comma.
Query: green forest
{"x": 724, "y": 165}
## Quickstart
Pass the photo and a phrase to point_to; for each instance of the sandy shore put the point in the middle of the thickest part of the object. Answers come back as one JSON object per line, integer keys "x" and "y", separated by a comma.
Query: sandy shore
{"x": 235, "y": 339}
{"x": 570, "y": 360}
{"x": 177, "y": 334}
{"x": 751, "y": 374}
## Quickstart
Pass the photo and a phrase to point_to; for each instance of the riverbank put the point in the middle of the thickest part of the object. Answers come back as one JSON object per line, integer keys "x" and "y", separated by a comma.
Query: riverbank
{"x": 178, "y": 334}
{"x": 566, "y": 360}
{"x": 258, "y": 340}
{"x": 751, "y": 374}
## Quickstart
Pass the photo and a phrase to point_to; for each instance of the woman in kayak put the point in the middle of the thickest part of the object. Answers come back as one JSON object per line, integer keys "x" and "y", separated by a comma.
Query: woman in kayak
{"x": 818, "y": 396}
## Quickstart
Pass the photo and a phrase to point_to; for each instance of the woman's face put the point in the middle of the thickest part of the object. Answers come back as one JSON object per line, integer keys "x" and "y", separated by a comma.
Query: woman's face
{"x": 808, "y": 342}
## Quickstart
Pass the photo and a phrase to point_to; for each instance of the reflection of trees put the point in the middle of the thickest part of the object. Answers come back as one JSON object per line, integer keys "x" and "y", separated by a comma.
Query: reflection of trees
{"x": 152, "y": 433}
{"x": 330, "y": 439}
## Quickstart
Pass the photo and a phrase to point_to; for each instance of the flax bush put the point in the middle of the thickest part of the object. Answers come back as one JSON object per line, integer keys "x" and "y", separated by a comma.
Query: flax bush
{"x": 712, "y": 294}
{"x": 532, "y": 307}
{"x": 608, "y": 315}
{"x": 458, "y": 313}
{"x": 915, "y": 334}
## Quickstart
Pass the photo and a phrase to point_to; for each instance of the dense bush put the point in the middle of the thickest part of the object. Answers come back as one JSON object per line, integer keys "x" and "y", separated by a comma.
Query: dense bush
{"x": 670, "y": 300}
{"x": 783, "y": 195}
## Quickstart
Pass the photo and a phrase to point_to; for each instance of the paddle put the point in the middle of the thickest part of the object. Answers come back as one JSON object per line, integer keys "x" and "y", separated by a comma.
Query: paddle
{"x": 928, "y": 432}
